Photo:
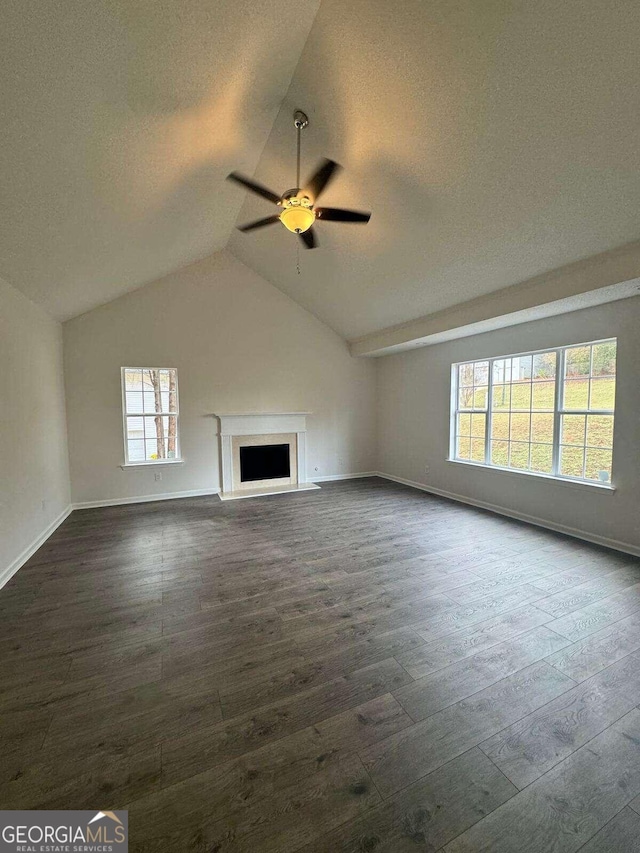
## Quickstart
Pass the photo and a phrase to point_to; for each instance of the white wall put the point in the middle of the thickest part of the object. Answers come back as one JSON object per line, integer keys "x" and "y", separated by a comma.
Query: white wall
{"x": 239, "y": 345}
{"x": 413, "y": 424}
{"x": 34, "y": 466}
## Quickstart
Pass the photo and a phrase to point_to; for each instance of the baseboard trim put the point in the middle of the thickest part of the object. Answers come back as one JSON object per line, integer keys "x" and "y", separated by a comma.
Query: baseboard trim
{"x": 616, "y": 545}
{"x": 195, "y": 493}
{"x": 30, "y": 550}
{"x": 143, "y": 499}
{"x": 331, "y": 477}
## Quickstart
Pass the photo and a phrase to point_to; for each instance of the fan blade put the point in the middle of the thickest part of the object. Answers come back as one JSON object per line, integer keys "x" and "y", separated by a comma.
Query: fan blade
{"x": 322, "y": 177}
{"x": 335, "y": 214}
{"x": 259, "y": 223}
{"x": 253, "y": 186}
{"x": 309, "y": 239}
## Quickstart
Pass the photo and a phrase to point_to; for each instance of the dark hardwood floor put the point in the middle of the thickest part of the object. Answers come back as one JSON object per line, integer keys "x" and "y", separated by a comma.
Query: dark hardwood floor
{"x": 362, "y": 668}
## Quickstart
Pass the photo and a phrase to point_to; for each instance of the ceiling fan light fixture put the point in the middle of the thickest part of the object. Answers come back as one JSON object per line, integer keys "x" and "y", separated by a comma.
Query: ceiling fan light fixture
{"x": 297, "y": 204}
{"x": 297, "y": 215}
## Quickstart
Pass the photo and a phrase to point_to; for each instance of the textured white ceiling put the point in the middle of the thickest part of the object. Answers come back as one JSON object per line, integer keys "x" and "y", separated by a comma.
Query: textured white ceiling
{"x": 492, "y": 139}
{"x": 119, "y": 121}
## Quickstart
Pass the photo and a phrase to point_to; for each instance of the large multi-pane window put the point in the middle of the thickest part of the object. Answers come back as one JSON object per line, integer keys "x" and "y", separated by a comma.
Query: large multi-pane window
{"x": 547, "y": 412}
{"x": 150, "y": 408}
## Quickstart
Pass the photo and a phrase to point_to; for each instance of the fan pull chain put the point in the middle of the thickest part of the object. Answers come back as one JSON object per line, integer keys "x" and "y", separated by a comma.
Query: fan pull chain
{"x": 298, "y": 259}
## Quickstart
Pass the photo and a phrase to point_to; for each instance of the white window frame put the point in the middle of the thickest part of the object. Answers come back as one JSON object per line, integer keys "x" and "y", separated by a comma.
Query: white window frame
{"x": 177, "y": 459}
{"x": 558, "y": 412}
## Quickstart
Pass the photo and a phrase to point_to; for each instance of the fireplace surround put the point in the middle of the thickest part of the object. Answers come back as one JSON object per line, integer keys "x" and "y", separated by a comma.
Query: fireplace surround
{"x": 242, "y": 435}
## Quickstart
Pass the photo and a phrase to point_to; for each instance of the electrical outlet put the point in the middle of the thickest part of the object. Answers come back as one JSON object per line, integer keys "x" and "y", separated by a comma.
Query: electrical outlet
{"x": 426, "y": 470}
{"x": 158, "y": 475}
{"x": 44, "y": 505}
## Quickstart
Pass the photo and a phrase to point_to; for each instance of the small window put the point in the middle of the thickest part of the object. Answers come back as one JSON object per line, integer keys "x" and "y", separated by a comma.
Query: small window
{"x": 548, "y": 412}
{"x": 150, "y": 407}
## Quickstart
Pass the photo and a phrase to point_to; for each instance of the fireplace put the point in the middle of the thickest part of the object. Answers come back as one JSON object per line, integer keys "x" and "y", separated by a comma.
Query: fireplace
{"x": 264, "y": 462}
{"x": 263, "y": 453}
{"x": 252, "y": 455}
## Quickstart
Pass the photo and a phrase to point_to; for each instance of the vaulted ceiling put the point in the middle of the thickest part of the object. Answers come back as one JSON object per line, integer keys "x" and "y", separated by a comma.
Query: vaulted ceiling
{"x": 120, "y": 120}
{"x": 492, "y": 139}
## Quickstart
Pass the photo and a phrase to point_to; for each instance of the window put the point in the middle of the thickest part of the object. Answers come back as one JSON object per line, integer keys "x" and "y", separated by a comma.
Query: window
{"x": 547, "y": 412}
{"x": 150, "y": 407}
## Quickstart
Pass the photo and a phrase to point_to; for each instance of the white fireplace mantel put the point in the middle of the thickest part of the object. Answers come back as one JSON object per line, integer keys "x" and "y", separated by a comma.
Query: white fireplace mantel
{"x": 260, "y": 423}
{"x": 235, "y": 424}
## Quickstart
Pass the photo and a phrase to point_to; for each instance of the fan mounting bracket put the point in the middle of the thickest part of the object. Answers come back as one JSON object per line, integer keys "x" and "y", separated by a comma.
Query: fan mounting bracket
{"x": 300, "y": 120}
{"x": 298, "y": 195}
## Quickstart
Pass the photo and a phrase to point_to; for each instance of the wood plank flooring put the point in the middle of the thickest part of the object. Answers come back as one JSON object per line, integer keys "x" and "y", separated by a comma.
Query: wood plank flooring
{"x": 362, "y": 668}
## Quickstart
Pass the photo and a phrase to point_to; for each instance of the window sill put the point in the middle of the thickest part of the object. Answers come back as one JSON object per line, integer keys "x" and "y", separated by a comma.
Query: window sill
{"x": 607, "y": 488}
{"x": 156, "y": 464}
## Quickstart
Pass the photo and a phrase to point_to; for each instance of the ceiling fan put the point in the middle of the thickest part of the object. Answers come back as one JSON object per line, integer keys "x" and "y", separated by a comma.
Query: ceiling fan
{"x": 298, "y": 211}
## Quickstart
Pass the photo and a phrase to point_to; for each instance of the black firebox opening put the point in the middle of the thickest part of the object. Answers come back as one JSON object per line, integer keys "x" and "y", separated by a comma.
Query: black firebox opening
{"x": 264, "y": 462}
